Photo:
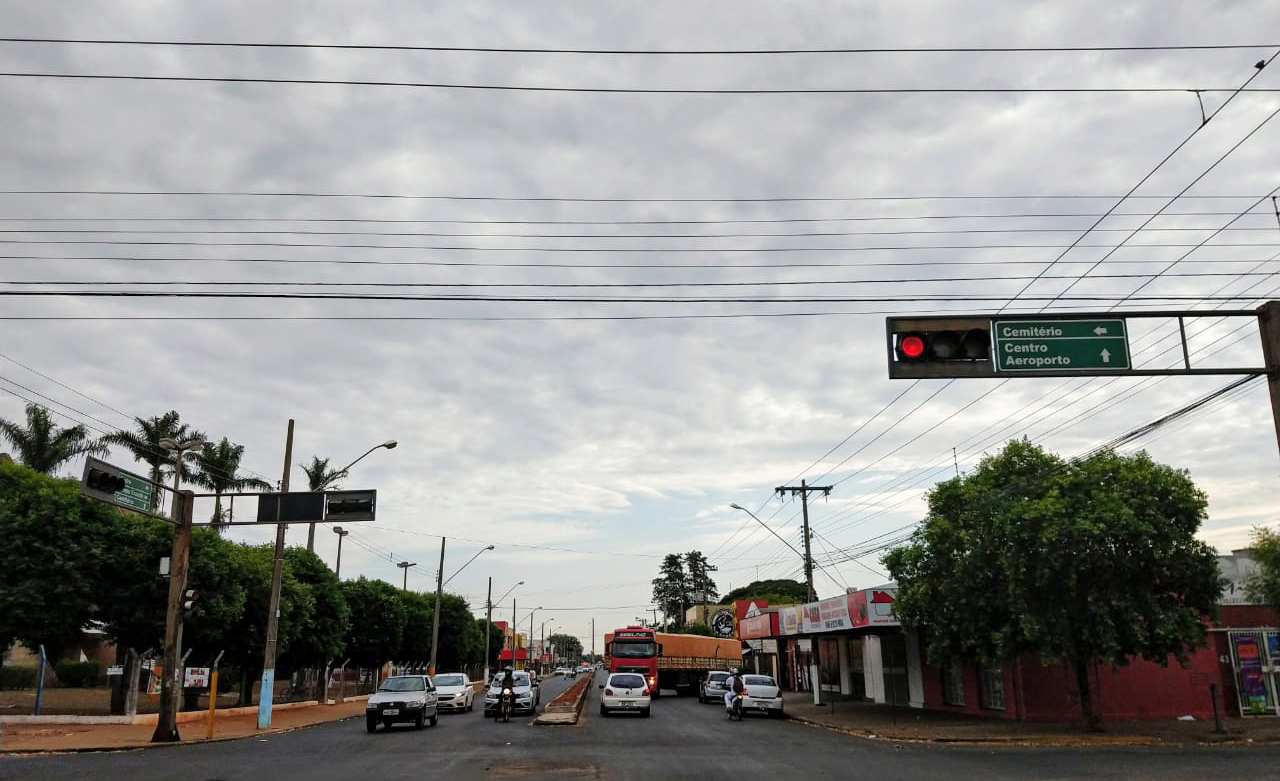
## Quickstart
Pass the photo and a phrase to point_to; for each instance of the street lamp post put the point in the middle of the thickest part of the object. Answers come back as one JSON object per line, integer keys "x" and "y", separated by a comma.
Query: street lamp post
{"x": 390, "y": 444}
{"x": 405, "y": 565}
{"x": 171, "y": 682}
{"x": 337, "y": 568}
{"x": 440, "y": 583}
{"x": 488, "y": 622}
{"x": 542, "y": 639}
{"x": 529, "y": 643}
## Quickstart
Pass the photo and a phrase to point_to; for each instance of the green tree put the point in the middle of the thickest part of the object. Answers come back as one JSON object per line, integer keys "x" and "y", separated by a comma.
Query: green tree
{"x": 322, "y": 634}
{"x": 415, "y": 641}
{"x": 49, "y": 560}
{"x": 319, "y": 476}
{"x": 1264, "y": 585}
{"x": 43, "y": 446}
{"x": 1080, "y": 562}
{"x": 144, "y": 443}
{"x": 217, "y": 465}
{"x": 671, "y": 589}
{"x": 777, "y": 592}
{"x": 244, "y": 646}
{"x": 701, "y": 587}
{"x": 496, "y": 638}
{"x": 377, "y": 621}
{"x": 565, "y": 646}
{"x": 698, "y": 628}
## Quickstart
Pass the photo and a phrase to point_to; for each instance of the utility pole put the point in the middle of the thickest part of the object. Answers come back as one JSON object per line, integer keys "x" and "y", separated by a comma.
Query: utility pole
{"x": 593, "y": 639}
{"x": 435, "y": 619}
{"x": 488, "y": 622}
{"x": 1269, "y": 326}
{"x": 513, "y": 633}
{"x": 267, "y": 693}
{"x": 405, "y": 565}
{"x": 179, "y": 557}
{"x": 804, "y": 489}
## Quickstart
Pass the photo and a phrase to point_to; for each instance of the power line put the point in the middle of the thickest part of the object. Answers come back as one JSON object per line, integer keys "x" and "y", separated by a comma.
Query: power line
{"x": 636, "y": 90}
{"x": 644, "y": 52}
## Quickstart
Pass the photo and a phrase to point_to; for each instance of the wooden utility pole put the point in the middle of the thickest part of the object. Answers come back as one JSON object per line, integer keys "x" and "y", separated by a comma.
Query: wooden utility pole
{"x": 267, "y": 693}
{"x": 804, "y": 489}
{"x": 1269, "y": 327}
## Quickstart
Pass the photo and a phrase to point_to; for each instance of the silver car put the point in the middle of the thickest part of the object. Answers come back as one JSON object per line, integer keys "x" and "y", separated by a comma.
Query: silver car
{"x": 713, "y": 687}
{"x": 402, "y": 698}
{"x": 454, "y": 691}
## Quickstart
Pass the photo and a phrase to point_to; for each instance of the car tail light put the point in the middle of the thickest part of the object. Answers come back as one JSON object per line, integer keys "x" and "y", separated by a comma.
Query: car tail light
{"x": 609, "y": 692}
{"x": 644, "y": 693}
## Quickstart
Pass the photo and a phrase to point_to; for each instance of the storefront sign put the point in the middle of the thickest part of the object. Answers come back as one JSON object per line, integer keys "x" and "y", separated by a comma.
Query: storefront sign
{"x": 858, "y": 615}
{"x": 769, "y": 646}
{"x": 1253, "y": 685}
{"x": 115, "y": 669}
{"x": 829, "y": 615}
{"x": 763, "y": 625}
{"x": 880, "y": 603}
{"x": 789, "y": 620}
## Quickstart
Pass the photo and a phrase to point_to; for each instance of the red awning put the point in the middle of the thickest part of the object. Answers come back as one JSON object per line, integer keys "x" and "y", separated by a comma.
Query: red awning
{"x": 522, "y": 655}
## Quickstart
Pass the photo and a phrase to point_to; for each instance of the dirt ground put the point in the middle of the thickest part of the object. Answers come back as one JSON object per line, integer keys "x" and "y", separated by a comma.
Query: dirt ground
{"x": 84, "y": 702}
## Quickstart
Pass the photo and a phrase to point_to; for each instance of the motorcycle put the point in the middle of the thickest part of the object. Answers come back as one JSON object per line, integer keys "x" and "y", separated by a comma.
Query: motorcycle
{"x": 735, "y": 710}
{"x": 506, "y": 701}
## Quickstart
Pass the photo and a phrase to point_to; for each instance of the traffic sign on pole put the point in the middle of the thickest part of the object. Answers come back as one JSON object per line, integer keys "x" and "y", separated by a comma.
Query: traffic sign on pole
{"x": 116, "y": 486}
{"x": 1064, "y": 345}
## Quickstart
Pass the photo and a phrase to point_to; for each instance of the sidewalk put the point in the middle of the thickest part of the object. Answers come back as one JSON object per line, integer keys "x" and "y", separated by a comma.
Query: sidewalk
{"x": 883, "y": 722}
{"x": 31, "y": 738}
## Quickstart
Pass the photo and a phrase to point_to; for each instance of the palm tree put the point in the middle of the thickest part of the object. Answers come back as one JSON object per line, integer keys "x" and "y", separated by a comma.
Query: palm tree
{"x": 319, "y": 475}
{"x": 144, "y": 444}
{"x": 44, "y": 447}
{"x": 218, "y": 465}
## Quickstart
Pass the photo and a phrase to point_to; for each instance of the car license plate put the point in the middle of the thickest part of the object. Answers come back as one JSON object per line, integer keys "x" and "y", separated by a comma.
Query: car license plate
{"x": 626, "y": 703}
{"x": 390, "y": 711}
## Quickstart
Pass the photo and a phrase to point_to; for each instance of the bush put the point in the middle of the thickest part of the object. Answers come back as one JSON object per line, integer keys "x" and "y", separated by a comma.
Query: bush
{"x": 12, "y": 677}
{"x": 83, "y": 674}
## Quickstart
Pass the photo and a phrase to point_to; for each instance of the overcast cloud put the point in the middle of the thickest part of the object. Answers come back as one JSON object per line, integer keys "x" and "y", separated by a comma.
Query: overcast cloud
{"x": 631, "y": 437}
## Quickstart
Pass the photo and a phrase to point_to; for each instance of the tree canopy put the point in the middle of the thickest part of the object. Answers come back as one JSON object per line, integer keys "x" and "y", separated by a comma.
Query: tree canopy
{"x": 565, "y": 646}
{"x": 683, "y": 580}
{"x": 777, "y": 592}
{"x": 1080, "y": 562}
{"x": 1264, "y": 585}
{"x": 44, "y": 447}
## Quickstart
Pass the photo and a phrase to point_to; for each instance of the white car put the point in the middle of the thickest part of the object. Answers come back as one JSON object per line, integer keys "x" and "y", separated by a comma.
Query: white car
{"x": 712, "y": 688}
{"x": 626, "y": 692}
{"x": 763, "y": 695}
{"x": 402, "y": 698}
{"x": 454, "y": 691}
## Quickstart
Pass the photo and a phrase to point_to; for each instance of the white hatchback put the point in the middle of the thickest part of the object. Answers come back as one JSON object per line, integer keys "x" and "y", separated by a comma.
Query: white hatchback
{"x": 624, "y": 692}
{"x": 763, "y": 695}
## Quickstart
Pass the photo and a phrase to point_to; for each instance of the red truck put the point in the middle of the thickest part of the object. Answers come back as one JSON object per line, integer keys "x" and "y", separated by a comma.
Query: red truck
{"x": 669, "y": 661}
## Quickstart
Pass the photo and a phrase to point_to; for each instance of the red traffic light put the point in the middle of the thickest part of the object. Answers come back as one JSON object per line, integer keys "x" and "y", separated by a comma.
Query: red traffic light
{"x": 911, "y": 346}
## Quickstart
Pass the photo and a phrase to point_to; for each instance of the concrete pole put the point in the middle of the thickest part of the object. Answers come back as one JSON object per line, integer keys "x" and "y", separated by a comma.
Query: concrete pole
{"x": 267, "y": 693}
{"x": 488, "y": 622}
{"x": 179, "y": 557}
{"x": 435, "y": 621}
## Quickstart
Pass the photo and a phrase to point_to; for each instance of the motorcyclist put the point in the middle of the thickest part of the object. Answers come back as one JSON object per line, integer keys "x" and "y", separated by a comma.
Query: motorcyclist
{"x": 733, "y": 687}
{"x": 508, "y": 685}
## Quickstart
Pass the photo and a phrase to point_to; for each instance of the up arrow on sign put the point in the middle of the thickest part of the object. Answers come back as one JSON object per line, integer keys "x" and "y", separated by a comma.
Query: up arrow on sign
{"x": 1100, "y": 330}
{"x": 1106, "y": 356}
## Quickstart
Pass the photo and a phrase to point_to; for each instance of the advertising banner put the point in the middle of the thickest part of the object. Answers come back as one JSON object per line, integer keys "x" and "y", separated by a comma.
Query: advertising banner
{"x": 828, "y": 615}
{"x": 789, "y": 620}
{"x": 858, "y": 615}
{"x": 196, "y": 678}
{"x": 1253, "y": 686}
{"x": 769, "y": 646}
{"x": 763, "y": 625}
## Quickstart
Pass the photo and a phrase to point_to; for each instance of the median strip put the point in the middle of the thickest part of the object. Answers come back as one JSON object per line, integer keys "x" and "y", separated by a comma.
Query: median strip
{"x": 565, "y": 709}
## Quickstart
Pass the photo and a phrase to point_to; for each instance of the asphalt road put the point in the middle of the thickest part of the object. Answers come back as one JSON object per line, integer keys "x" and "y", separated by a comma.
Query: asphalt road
{"x": 682, "y": 740}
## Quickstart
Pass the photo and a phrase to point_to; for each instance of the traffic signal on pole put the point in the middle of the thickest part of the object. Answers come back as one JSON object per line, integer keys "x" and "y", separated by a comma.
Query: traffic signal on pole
{"x": 350, "y": 505}
{"x": 971, "y": 344}
{"x": 105, "y": 482}
{"x": 189, "y": 598}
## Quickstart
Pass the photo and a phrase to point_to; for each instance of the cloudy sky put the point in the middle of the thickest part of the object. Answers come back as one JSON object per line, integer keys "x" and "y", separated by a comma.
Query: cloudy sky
{"x": 586, "y": 438}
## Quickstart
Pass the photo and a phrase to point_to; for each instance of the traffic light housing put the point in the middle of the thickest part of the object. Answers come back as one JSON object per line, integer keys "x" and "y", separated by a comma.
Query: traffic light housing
{"x": 103, "y": 481}
{"x": 189, "y": 599}
{"x": 350, "y": 505}
{"x": 941, "y": 346}
{"x": 972, "y": 344}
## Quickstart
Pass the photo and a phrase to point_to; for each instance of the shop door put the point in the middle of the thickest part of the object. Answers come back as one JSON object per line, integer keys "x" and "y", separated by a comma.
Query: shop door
{"x": 1255, "y": 660}
{"x": 893, "y": 652}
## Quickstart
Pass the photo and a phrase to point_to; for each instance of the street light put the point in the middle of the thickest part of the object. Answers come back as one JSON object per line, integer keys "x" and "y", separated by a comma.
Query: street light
{"x": 542, "y": 638}
{"x": 488, "y": 622}
{"x": 179, "y": 557}
{"x": 337, "y": 569}
{"x": 529, "y": 645}
{"x": 435, "y": 618}
{"x": 390, "y": 444}
{"x": 405, "y": 565}
{"x": 765, "y": 525}
{"x": 464, "y": 566}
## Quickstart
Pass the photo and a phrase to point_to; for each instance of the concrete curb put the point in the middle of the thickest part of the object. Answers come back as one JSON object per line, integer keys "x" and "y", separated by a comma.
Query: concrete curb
{"x": 1119, "y": 741}
{"x": 20, "y": 752}
{"x": 185, "y": 717}
{"x": 565, "y": 717}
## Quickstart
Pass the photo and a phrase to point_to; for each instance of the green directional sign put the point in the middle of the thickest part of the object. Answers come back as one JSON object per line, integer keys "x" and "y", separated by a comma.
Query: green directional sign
{"x": 1059, "y": 345}
{"x": 136, "y": 494}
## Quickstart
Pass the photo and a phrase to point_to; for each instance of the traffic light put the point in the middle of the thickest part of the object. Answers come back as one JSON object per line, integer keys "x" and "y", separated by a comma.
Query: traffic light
{"x": 971, "y": 344}
{"x": 189, "y": 598}
{"x": 350, "y": 505}
{"x": 105, "y": 482}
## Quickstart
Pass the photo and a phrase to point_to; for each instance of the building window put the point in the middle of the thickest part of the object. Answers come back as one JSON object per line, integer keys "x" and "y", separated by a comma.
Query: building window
{"x": 991, "y": 681}
{"x": 952, "y": 683}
